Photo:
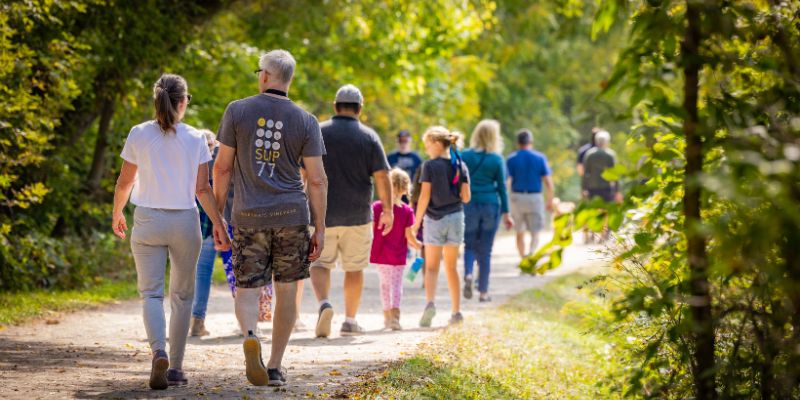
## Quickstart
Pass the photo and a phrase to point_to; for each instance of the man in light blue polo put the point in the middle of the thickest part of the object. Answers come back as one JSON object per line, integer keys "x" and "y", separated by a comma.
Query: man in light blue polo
{"x": 528, "y": 171}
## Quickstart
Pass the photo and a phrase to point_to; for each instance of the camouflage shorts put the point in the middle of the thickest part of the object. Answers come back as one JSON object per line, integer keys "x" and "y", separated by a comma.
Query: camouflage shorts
{"x": 260, "y": 254}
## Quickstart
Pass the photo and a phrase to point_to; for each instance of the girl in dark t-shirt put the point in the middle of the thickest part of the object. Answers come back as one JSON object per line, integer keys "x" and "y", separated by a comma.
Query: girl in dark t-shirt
{"x": 444, "y": 190}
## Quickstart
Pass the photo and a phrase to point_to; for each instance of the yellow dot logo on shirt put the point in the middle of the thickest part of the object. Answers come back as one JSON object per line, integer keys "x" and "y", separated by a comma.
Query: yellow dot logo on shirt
{"x": 262, "y": 122}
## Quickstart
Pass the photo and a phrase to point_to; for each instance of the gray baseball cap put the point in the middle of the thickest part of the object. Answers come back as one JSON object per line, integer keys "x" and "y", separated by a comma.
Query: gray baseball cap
{"x": 349, "y": 94}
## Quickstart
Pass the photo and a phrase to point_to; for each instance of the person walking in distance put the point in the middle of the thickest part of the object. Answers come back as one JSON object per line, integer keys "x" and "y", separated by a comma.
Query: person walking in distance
{"x": 404, "y": 157}
{"x": 263, "y": 139}
{"x": 389, "y": 252}
{"x": 354, "y": 159}
{"x": 444, "y": 190}
{"x": 596, "y": 161}
{"x": 528, "y": 172}
{"x": 164, "y": 170}
{"x": 488, "y": 205}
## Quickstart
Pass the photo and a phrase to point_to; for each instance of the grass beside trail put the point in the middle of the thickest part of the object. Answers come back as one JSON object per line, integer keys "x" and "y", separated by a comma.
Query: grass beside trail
{"x": 540, "y": 345}
{"x": 17, "y": 307}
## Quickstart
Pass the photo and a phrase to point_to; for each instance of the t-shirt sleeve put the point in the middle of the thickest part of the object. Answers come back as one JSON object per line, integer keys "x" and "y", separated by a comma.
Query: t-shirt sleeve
{"x": 545, "y": 167}
{"x": 378, "y": 161}
{"x": 314, "y": 146}
{"x": 425, "y": 176}
{"x": 129, "y": 149}
{"x": 409, "y": 216}
{"x": 226, "y": 134}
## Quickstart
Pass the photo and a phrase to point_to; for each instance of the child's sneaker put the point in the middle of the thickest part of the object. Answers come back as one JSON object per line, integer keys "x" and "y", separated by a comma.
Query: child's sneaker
{"x": 387, "y": 319}
{"x": 395, "y": 322}
{"x": 456, "y": 318}
{"x": 427, "y": 316}
{"x": 351, "y": 329}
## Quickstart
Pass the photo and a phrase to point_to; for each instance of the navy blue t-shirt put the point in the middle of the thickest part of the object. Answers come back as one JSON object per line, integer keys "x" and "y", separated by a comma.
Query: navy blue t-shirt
{"x": 526, "y": 169}
{"x": 408, "y": 162}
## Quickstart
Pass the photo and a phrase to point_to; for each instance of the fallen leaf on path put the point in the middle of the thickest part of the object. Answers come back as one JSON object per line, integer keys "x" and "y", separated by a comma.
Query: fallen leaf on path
{"x": 52, "y": 322}
{"x": 334, "y": 373}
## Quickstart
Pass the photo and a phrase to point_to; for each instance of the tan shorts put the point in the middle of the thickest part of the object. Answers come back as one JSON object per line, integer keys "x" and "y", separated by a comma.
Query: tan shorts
{"x": 350, "y": 245}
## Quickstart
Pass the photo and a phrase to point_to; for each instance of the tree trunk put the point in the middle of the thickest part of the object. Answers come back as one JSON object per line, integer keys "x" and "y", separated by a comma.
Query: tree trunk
{"x": 700, "y": 305}
{"x": 99, "y": 158}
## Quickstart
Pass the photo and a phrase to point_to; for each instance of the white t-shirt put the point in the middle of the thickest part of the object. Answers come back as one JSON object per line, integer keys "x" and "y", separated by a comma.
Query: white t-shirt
{"x": 167, "y": 165}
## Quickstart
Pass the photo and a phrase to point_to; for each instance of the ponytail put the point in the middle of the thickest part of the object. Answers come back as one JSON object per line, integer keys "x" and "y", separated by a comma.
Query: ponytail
{"x": 450, "y": 142}
{"x": 455, "y": 160}
{"x": 168, "y": 92}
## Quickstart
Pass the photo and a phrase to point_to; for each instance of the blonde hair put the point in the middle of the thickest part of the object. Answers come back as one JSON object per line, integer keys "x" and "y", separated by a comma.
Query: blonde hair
{"x": 486, "y": 137}
{"x": 401, "y": 182}
{"x": 442, "y": 135}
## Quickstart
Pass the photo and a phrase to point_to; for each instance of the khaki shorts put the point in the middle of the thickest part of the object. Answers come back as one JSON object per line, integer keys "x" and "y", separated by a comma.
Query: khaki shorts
{"x": 350, "y": 245}
{"x": 258, "y": 254}
{"x": 527, "y": 209}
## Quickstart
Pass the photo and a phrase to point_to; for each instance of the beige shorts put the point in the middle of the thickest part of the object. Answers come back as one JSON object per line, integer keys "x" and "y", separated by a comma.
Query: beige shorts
{"x": 350, "y": 245}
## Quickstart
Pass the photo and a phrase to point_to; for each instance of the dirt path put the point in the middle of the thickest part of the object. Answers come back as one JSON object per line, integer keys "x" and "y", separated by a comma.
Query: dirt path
{"x": 103, "y": 353}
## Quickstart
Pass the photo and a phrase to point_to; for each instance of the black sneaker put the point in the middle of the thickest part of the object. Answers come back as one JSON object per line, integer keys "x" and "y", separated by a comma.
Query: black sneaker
{"x": 485, "y": 299}
{"x": 277, "y": 376}
{"x": 176, "y": 377}
{"x": 323, "y": 328}
{"x": 158, "y": 371}
{"x": 468, "y": 287}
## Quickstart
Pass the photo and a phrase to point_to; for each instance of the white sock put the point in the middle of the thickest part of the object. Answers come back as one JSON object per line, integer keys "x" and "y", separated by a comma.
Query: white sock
{"x": 246, "y": 306}
{"x": 350, "y": 320}
{"x": 323, "y": 302}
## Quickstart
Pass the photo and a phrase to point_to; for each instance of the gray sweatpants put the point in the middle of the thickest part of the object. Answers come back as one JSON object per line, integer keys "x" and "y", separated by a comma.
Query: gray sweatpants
{"x": 156, "y": 234}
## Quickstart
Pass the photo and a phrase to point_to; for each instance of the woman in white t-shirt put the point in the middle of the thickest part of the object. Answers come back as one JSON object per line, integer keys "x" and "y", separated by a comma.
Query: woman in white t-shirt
{"x": 164, "y": 169}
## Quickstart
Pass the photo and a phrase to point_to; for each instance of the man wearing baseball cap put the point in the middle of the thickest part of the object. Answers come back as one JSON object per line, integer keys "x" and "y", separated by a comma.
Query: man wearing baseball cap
{"x": 354, "y": 159}
{"x": 405, "y": 158}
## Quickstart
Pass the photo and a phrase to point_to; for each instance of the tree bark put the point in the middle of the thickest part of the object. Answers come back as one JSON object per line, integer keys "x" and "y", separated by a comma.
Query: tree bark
{"x": 700, "y": 305}
{"x": 99, "y": 158}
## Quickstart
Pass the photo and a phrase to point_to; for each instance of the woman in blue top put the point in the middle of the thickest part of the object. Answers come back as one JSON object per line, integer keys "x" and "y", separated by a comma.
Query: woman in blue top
{"x": 489, "y": 202}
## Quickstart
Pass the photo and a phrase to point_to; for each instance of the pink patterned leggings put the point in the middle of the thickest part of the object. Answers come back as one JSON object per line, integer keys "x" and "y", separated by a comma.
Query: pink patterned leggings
{"x": 391, "y": 285}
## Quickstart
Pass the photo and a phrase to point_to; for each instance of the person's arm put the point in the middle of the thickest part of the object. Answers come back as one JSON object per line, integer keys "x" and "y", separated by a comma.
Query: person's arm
{"x": 122, "y": 192}
{"x": 548, "y": 192}
{"x": 579, "y": 169}
{"x": 422, "y": 205}
{"x": 317, "y": 188}
{"x": 466, "y": 193}
{"x": 384, "y": 188}
{"x": 412, "y": 238}
{"x": 206, "y": 198}
{"x": 502, "y": 192}
{"x": 223, "y": 170}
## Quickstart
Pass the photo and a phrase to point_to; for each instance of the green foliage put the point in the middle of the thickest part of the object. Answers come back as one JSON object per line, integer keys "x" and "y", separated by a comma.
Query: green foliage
{"x": 749, "y": 122}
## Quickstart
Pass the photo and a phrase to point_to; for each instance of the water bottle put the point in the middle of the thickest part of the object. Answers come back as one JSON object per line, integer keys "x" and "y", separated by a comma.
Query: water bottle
{"x": 415, "y": 267}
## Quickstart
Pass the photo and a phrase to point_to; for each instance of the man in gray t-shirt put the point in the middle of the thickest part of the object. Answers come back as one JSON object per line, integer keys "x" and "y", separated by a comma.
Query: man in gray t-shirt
{"x": 355, "y": 158}
{"x": 263, "y": 140}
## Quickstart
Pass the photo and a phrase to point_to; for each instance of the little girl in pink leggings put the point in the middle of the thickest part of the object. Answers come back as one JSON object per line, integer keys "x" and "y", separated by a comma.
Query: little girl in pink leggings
{"x": 389, "y": 252}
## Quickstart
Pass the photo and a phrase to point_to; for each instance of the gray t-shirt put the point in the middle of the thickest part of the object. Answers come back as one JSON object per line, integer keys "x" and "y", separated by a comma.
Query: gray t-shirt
{"x": 270, "y": 135}
{"x": 595, "y": 162}
{"x": 355, "y": 152}
{"x": 445, "y": 197}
